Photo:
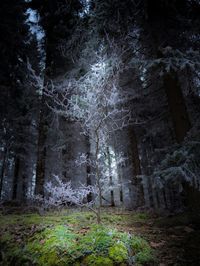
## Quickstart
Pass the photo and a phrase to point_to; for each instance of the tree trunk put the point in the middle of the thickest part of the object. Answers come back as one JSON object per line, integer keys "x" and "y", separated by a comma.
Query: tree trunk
{"x": 180, "y": 118}
{"x": 3, "y": 170}
{"x": 41, "y": 153}
{"x": 16, "y": 177}
{"x": 177, "y": 106}
{"x": 88, "y": 170}
{"x": 112, "y": 202}
{"x": 119, "y": 174}
{"x": 147, "y": 171}
{"x": 97, "y": 171}
{"x": 98, "y": 215}
{"x": 137, "y": 169}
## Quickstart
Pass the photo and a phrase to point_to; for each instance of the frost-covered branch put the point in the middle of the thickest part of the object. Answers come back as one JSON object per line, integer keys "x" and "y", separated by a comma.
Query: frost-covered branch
{"x": 59, "y": 193}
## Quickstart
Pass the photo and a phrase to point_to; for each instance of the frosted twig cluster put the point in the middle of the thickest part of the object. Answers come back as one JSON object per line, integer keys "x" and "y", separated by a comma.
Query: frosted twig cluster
{"x": 59, "y": 193}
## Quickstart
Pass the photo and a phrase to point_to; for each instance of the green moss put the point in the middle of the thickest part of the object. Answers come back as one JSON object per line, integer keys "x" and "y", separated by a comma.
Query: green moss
{"x": 144, "y": 256}
{"x": 73, "y": 239}
{"x": 6, "y": 237}
{"x": 118, "y": 253}
{"x": 9, "y": 220}
{"x": 48, "y": 246}
{"x": 49, "y": 259}
{"x": 142, "y": 216}
{"x": 93, "y": 260}
{"x": 141, "y": 249}
{"x": 98, "y": 245}
{"x": 138, "y": 244}
{"x": 12, "y": 254}
{"x": 111, "y": 218}
{"x": 97, "y": 240}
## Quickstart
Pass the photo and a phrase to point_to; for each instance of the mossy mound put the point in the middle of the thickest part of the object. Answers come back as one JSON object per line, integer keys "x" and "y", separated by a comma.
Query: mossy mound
{"x": 98, "y": 245}
{"x": 71, "y": 242}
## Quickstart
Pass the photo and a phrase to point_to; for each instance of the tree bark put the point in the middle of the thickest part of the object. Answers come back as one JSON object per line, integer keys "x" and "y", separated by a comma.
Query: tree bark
{"x": 41, "y": 152}
{"x": 147, "y": 171}
{"x": 98, "y": 177}
{"x": 112, "y": 202}
{"x": 137, "y": 169}
{"x": 16, "y": 177}
{"x": 88, "y": 170}
{"x": 177, "y": 106}
{"x": 3, "y": 170}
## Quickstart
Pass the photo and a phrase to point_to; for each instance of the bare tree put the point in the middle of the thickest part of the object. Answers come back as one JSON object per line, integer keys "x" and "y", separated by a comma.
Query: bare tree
{"x": 95, "y": 101}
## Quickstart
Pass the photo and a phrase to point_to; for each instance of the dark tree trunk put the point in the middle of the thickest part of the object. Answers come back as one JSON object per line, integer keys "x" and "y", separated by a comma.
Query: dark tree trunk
{"x": 41, "y": 152}
{"x": 88, "y": 170}
{"x": 24, "y": 187}
{"x": 137, "y": 169}
{"x": 112, "y": 202}
{"x": 16, "y": 177}
{"x": 177, "y": 106}
{"x": 119, "y": 173}
{"x": 121, "y": 195}
{"x": 180, "y": 119}
{"x": 147, "y": 171}
{"x": 3, "y": 170}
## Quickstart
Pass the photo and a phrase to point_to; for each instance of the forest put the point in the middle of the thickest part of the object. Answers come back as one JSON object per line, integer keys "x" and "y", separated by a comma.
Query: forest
{"x": 99, "y": 132}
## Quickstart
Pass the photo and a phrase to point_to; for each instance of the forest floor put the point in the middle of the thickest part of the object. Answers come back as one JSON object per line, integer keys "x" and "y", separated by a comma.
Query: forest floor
{"x": 173, "y": 240}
